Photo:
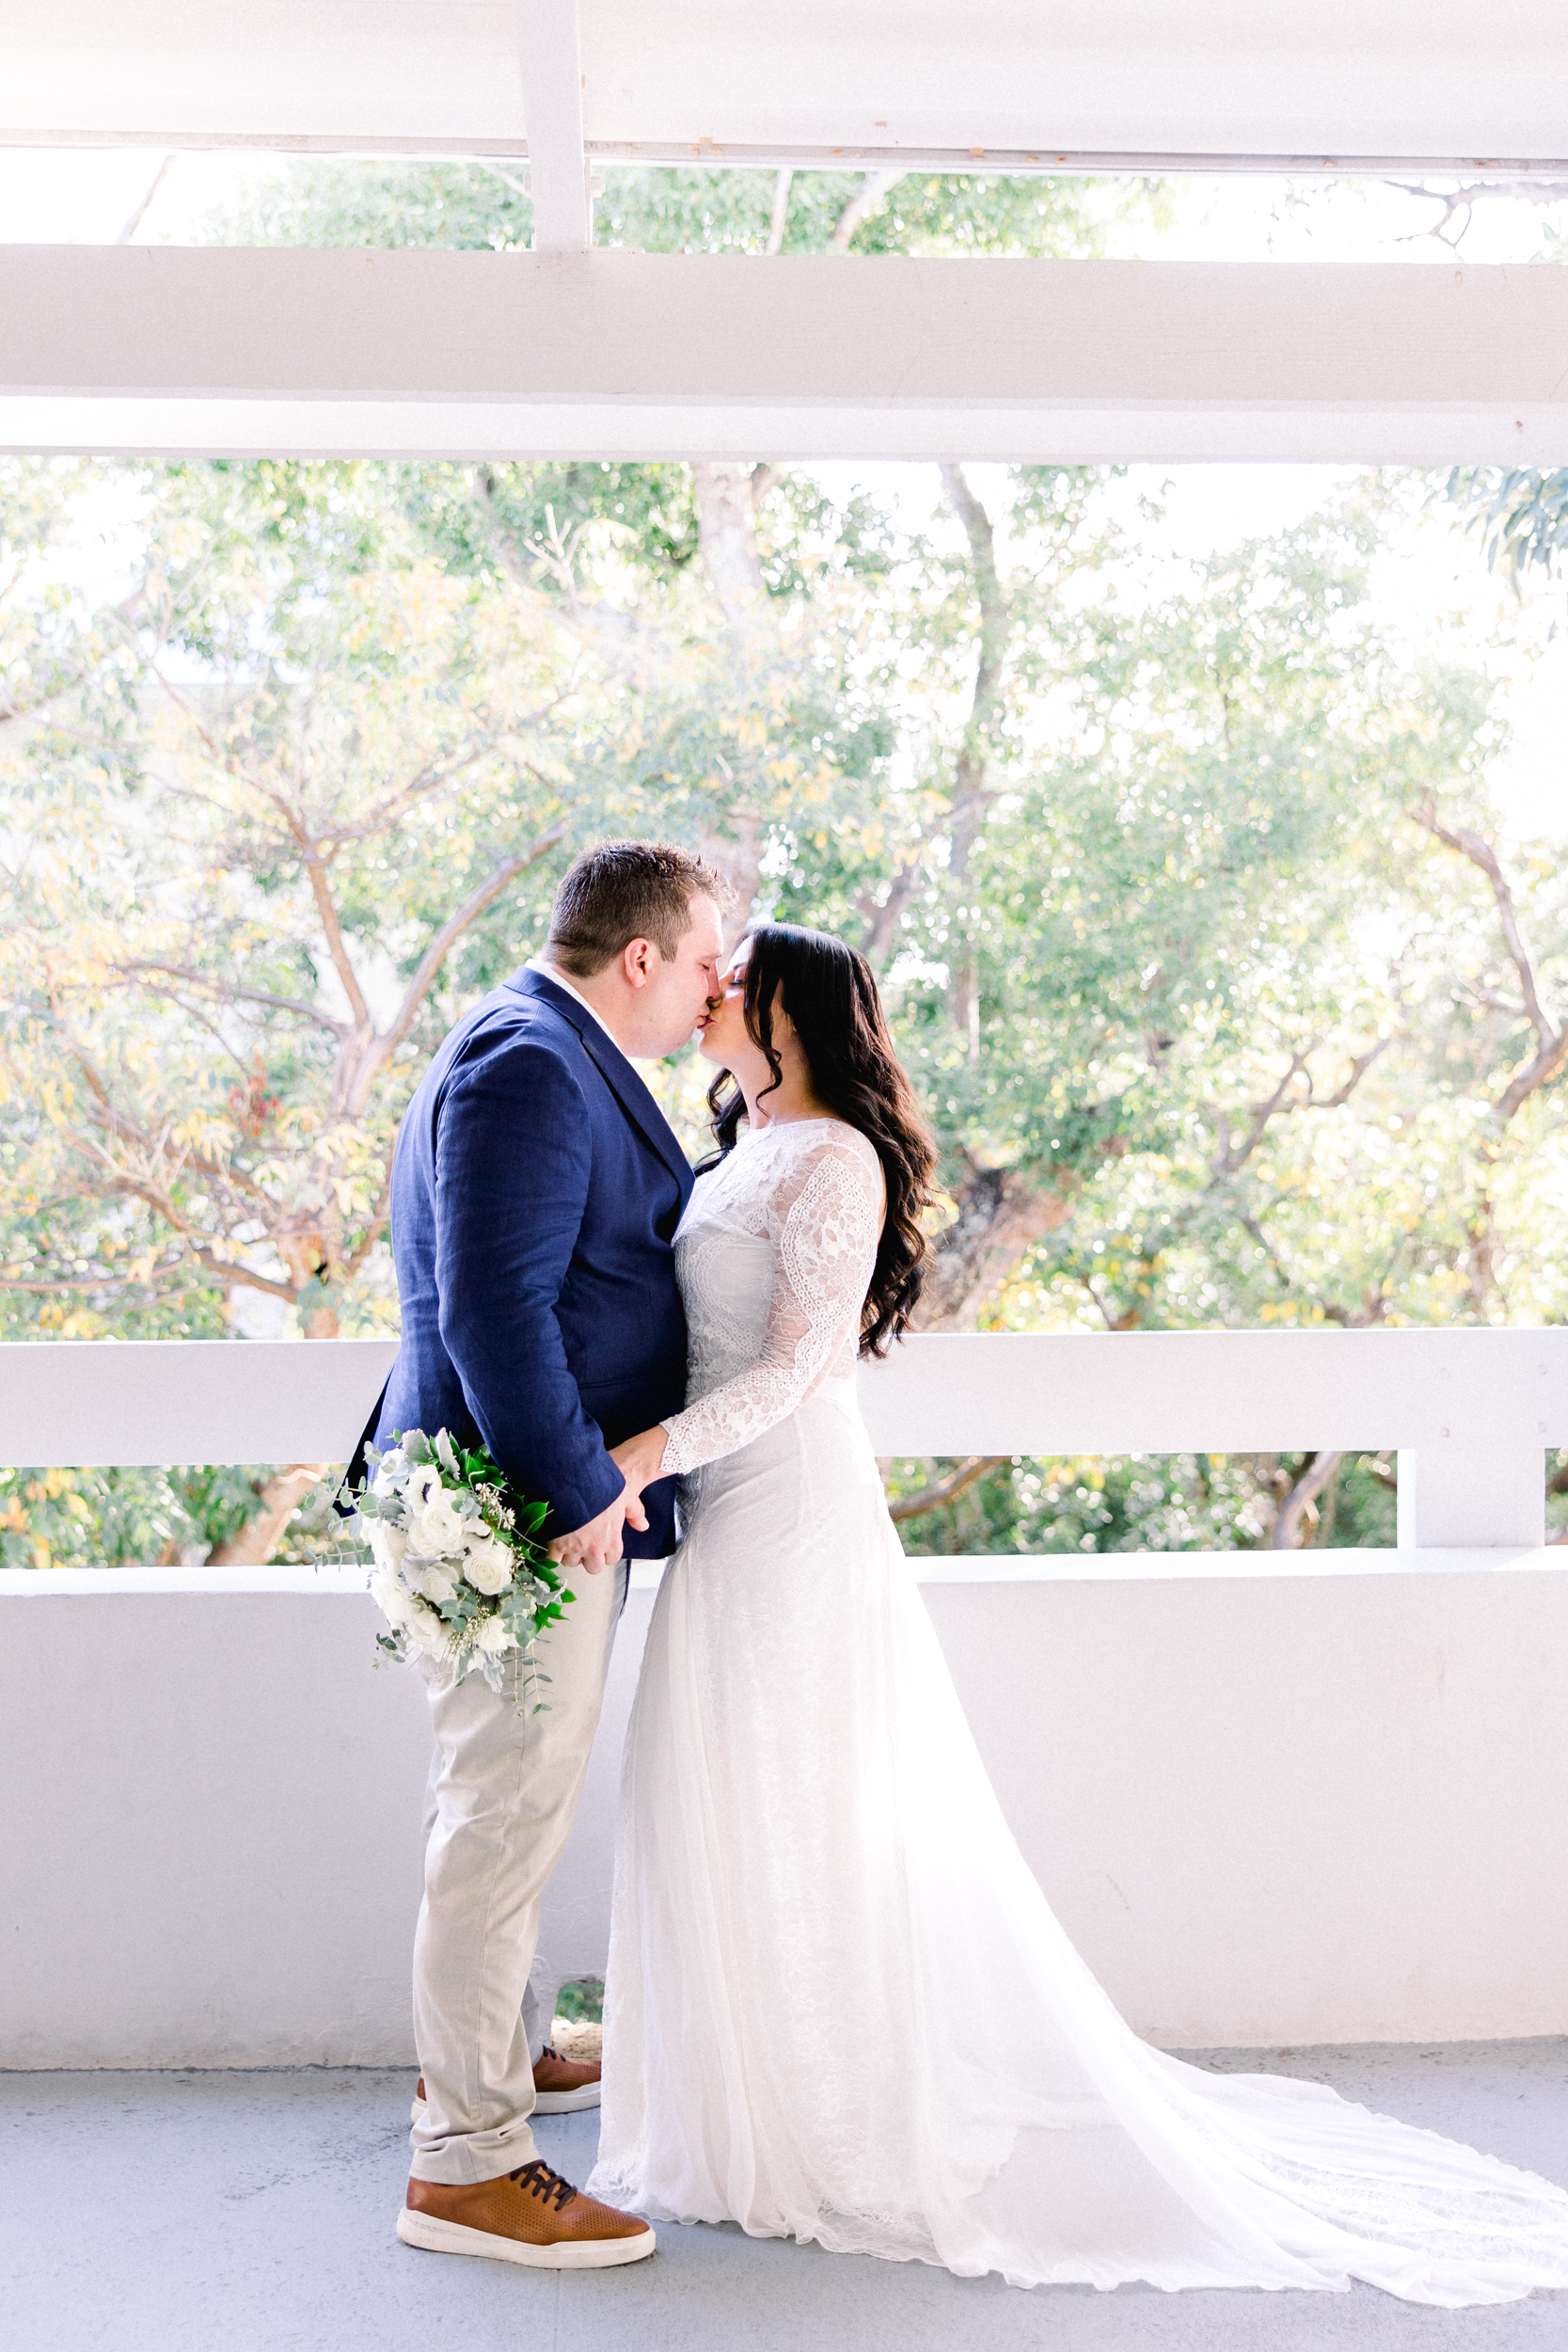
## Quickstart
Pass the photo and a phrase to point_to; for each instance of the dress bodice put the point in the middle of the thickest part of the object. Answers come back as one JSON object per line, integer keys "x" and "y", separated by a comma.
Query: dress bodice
{"x": 775, "y": 1256}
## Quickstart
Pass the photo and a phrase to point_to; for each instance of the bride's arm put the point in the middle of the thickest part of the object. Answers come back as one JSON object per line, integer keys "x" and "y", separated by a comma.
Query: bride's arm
{"x": 824, "y": 1221}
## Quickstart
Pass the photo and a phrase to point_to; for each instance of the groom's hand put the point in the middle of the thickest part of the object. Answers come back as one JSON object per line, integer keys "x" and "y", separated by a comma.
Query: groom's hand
{"x": 601, "y": 1543}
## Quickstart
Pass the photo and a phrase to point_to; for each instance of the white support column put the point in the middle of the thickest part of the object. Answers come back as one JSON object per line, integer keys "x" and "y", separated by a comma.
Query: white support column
{"x": 552, "y": 116}
{"x": 1472, "y": 1497}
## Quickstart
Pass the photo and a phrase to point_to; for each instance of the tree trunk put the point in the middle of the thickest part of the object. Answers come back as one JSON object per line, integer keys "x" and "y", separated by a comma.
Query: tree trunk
{"x": 1000, "y": 1217}
{"x": 1287, "y": 1534}
{"x": 725, "y": 494}
{"x": 726, "y": 532}
{"x": 971, "y": 795}
{"x": 256, "y": 1542}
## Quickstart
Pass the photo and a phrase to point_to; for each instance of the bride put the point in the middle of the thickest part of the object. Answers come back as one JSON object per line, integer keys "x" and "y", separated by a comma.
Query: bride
{"x": 812, "y": 1864}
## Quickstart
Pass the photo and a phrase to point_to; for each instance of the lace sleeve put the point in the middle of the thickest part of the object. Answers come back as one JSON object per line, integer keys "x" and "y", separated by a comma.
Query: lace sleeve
{"x": 823, "y": 1221}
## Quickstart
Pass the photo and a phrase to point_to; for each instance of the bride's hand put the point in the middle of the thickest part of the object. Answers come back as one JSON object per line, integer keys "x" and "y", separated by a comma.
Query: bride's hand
{"x": 640, "y": 1459}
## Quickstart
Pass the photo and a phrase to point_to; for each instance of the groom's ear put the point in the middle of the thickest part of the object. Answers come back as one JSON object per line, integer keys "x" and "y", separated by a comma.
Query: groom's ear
{"x": 640, "y": 961}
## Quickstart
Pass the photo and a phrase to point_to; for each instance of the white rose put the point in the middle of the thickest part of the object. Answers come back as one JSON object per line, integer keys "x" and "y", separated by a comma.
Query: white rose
{"x": 437, "y": 1526}
{"x": 388, "y": 1544}
{"x": 438, "y": 1582}
{"x": 488, "y": 1565}
{"x": 396, "y": 1605}
{"x": 430, "y": 1636}
{"x": 492, "y": 1637}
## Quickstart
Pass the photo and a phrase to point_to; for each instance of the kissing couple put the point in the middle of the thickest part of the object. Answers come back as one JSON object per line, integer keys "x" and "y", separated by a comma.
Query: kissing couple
{"x": 838, "y": 2006}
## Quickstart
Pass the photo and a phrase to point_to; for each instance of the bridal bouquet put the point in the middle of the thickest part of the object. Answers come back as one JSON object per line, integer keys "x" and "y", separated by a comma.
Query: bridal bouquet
{"x": 458, "y": 1576}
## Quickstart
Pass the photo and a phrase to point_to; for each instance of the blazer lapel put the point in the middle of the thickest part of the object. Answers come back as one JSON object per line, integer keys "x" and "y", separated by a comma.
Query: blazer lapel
{"x": 616, "y": 1072}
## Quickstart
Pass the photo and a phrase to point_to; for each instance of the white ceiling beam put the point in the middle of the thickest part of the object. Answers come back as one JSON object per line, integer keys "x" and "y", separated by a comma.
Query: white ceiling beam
{"x": 1411, "y": 79}
{"x": 552, "y": 111}
{"x": 1013, "y": 162}
{"x": 224, "y": 350}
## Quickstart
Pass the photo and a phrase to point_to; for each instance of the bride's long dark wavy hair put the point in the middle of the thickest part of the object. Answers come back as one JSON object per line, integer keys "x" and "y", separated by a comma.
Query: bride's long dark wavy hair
{"x": 830, "y": 994}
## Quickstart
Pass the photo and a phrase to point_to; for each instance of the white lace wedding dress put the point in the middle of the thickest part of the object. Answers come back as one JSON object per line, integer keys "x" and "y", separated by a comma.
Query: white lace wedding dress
{"x": 838, "y": 2005}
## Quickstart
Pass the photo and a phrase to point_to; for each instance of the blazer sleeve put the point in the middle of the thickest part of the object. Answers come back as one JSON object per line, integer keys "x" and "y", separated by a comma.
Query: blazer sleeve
{"x": 513, "y": 1159}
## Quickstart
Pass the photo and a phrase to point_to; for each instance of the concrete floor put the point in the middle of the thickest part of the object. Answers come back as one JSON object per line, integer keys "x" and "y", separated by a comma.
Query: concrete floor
{"x": 253, "y": 2212}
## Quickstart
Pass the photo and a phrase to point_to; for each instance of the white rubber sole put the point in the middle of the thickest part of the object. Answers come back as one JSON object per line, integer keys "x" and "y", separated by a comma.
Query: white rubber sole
{"x": 435, "y": 2237}
{"x": 565, "y": 2102}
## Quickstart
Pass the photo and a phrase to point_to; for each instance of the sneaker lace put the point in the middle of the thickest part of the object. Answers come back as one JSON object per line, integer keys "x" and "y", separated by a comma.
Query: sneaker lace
{"x": 542, "y": 2183}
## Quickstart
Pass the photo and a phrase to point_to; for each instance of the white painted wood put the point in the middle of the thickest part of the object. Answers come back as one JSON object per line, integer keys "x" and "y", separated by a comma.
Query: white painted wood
{"x": 200, "y": 1401}
{"x": 552, "y": 99}
{"x": 1477, "y": 1392}
{"x": 1471, "y": 1413}
{"x": 1218, "y": 1391}
{"x": 1472, "y": 1493}
{"x": 1513, "y": 433}
{"x": 1297, "y": 1808}
{"x": 637, "y": 354}
{"x": 1407, "y": 79}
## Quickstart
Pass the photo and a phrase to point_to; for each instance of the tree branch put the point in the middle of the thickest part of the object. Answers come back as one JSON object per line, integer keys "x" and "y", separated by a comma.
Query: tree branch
{"x": 778, "y": 218}
{"x": 225, "y": 991}
{"x": 435, "y": 777}
{"x": 1308, "y": 1487}
{"x": 356, "y": 1091}
{"x": 946, "y": 1489}
{"x": 1481, "y": 854}
{"x": 327, "y": 913}
{"x": 618, "y": 636}
{"x": 882, "y": 922}
{"x": 872, "y": 189}
{"x": 1465, "y": 199}
{"x": 140, "y": 214}
{"x": 221, "y": 1172}
{"x": 374, "y": 1230}
{"x": 1229, "y": 1158}
{"x": 1551, "y": 1053}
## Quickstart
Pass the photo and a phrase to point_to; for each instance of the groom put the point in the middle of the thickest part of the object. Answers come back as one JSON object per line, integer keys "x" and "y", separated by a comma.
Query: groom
{"x": 536, "y": 1189}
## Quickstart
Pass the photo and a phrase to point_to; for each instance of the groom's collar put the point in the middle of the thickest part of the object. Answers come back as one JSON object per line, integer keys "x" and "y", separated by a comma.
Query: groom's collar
{"x": 537, "y": 980}
{"x": 558, "y": 979}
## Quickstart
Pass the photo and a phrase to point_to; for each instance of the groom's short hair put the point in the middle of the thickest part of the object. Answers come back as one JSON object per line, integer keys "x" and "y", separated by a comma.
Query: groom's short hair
{"x": 626, "y": 890}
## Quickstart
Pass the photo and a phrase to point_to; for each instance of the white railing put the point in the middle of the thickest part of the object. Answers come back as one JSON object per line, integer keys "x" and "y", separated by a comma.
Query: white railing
{"x": 1469, "y": 1413}
{"x": 1275, "y": 1797}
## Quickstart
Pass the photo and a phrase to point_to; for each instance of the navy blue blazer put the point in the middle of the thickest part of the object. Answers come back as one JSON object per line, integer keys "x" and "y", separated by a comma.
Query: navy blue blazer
{"x": 536, "y": 1189}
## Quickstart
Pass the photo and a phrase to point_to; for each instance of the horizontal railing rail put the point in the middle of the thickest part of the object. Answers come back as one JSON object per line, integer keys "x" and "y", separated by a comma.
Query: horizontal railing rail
{"x": 1470, "y": 1413}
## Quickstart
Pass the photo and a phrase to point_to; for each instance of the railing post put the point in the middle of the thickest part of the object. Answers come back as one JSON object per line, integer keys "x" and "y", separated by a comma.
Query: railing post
{"x": 1463, "y": 1498}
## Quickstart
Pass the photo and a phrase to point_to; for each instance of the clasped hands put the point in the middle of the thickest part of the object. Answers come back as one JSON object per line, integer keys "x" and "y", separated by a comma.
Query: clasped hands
{"x": 602, "y": 1541}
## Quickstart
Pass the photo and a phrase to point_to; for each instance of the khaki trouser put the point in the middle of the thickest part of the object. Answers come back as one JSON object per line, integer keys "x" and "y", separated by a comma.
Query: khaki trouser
{"x": 504, "y": 1788}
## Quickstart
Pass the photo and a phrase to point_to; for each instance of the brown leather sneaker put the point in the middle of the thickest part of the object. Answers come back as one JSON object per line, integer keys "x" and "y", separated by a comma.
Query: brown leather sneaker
{"x": 562, "y": 2086}
{"x": 530, "y": 2217}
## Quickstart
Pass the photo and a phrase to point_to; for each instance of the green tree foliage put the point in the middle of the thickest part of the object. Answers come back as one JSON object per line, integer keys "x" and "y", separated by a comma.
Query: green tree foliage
{"x": 1218, "y": 994}
{"x": 1519, "y": 513}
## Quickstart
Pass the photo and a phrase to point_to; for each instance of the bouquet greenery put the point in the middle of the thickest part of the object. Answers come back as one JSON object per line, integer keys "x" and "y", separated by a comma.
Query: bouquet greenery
{"x": 458, "y": 1575}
